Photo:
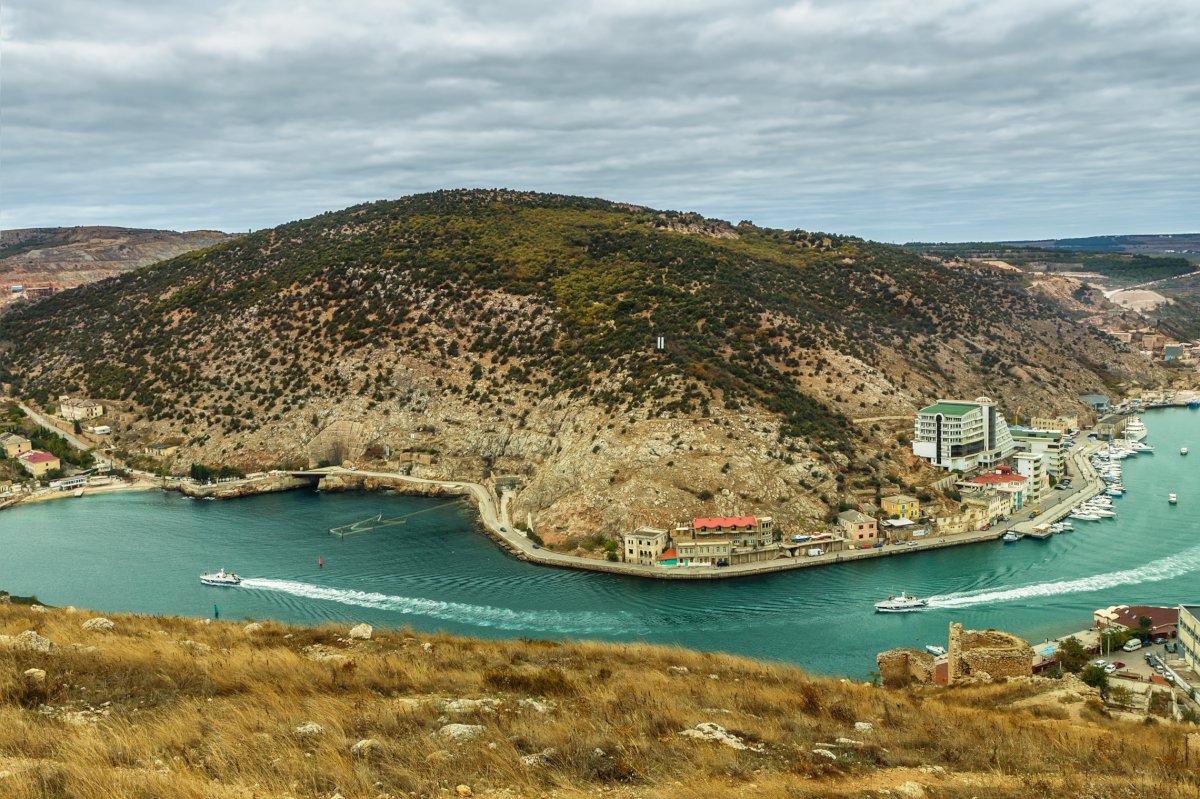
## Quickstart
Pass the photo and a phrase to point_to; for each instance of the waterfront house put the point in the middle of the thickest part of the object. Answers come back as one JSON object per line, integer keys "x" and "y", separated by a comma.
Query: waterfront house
{"x": 1189, "y": 636}
{"x": 13, "y": 444}
{"x": 1001, "y": 480}
{"x": 37, "y": 463}
{"x": 902, "y": 506}
{"x": 1164, "y": 622}
{"x": 726, "y": 540}
{"x": 985, "y": 507}
{"x": 69, "y": 483}
{"x": 644, "y": 545}
{"x": 961, "y": 435}
{"x": 859, "y": 528}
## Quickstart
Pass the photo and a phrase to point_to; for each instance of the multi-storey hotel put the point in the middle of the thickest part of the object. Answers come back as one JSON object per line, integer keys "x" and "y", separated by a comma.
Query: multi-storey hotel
{"x": 962, "y": 435}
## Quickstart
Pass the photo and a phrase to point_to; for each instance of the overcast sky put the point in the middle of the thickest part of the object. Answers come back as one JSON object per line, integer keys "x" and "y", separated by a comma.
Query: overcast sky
{"x": 893, "y": 119}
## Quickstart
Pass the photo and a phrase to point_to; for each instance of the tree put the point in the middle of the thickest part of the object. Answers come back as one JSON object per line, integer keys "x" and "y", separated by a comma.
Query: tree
{"x": 1096, "y": 677}
{"x": 1071, "y": 655}
{"x": 200, "y": 473}
{"x": 78, "y": 429}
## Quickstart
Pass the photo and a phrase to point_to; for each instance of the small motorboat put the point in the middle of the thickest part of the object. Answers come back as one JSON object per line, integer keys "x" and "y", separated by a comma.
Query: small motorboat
{"x": 935, "y": 650}
{"x": 901, "y": 604}
{"x": 1183, "y": 450}
{"x": 1172, "y": 498}
{"x": 1010, "y": 536}
{"x": 79, "y": 492}
{"x": 222, "y": 577}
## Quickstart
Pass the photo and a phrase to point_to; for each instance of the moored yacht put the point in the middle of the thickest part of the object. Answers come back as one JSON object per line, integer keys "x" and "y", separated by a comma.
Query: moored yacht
{"x": 1135, "y": 429}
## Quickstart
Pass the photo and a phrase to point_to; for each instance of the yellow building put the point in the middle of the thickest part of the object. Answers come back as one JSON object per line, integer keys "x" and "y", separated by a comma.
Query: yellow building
{"x": 726, "y": 540}
{"x": 79, "y": 409}
{"x": 1189, "y": 636}
{"x": 644, "y": 545}
{"x": 13, "y": 444}
{"x": 37, "y": 462}
{"x": 902, "y": 506}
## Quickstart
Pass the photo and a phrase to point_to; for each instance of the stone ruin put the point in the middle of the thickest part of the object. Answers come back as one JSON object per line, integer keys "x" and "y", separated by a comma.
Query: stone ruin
{"x": 972, "y": 655}
{"x": 901, "y": 667}
{"x": 986, "y": 654}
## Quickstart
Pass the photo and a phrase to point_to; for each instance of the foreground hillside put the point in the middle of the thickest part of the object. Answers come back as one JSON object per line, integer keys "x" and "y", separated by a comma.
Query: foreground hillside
{"x": 72, "y": 256}
{"x": 489, "y": 332}
{"x": 142, "y": 706}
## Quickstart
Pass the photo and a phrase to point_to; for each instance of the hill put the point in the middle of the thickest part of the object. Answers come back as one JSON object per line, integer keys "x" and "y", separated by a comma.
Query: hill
{"x": 63, "y": 258}
{"x": 144, "y": 706}
{"x": 468, "y": 333}
{"x": 1185, "y": 244}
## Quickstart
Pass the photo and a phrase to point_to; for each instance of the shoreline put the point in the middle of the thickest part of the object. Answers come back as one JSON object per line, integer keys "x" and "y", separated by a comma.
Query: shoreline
{"x": 492, "y": 520}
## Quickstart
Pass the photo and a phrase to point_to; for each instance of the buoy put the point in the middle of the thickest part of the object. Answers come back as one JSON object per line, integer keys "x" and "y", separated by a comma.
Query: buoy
{"x": 320, "y": 562}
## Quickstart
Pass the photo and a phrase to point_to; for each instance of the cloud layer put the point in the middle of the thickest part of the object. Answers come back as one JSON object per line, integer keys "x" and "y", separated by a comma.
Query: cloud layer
{"x": 942, "y": 120}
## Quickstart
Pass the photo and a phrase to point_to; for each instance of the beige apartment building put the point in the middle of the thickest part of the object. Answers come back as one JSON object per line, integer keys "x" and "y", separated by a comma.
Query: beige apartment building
{"x": 644, "y": 545}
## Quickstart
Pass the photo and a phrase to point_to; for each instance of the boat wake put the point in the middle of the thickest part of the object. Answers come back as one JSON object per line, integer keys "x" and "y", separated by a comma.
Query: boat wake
{"x": 551, "y": 621}
{"x": 1155, "y": 571}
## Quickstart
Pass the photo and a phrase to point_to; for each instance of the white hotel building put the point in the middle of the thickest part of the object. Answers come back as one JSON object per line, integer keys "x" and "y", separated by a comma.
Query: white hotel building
{"x": 962, "y": 435}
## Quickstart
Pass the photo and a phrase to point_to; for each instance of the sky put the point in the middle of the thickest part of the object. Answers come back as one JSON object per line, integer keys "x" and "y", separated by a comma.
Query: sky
{"x": 898, "y": 120}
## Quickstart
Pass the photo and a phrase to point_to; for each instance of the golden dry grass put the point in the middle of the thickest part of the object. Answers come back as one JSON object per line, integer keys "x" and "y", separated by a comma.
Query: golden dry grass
{"x": 138, "y": 713}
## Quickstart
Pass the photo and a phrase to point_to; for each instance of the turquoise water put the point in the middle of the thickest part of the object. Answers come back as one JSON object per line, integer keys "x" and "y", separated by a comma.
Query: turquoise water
{"x": 142, "y": 552}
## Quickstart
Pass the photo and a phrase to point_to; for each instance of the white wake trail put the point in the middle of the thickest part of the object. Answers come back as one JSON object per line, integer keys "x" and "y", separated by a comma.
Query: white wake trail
{"x": 557, "y": 621}
{"x": 1155, "y": 571}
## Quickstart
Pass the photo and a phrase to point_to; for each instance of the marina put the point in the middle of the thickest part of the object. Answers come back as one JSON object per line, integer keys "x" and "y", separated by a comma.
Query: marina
{"x": 437, "y": 572}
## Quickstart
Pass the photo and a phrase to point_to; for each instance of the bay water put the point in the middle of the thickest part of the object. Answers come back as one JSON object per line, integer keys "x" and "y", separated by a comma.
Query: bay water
{"x": 142, "y": 552}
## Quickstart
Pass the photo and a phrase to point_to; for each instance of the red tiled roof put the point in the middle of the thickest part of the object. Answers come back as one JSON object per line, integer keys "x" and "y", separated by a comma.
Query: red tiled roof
{"x": 724, "y": 521}
{"x": 991, "y": 478}
{"x": 37, "y": 456}
{"x": 1160, "y": 618}
{"x": 668, "y": 555}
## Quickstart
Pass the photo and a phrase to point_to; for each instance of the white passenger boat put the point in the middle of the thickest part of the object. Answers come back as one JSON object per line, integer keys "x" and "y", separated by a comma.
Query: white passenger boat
{"x": 222, "y": 577}
{"x": 935, "y": 650}
{"x": 1172, "y": 498}
{"x": 901, "y": 604}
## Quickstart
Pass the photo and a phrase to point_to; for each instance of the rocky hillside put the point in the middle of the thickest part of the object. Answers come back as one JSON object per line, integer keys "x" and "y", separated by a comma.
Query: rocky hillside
{"x": 470, "y": 333}
{"x": 94, "y": 708}
{"x": 71, "y": 256}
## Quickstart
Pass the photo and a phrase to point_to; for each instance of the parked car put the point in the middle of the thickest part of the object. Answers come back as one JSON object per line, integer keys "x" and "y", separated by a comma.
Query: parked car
{"x": 1111, "y": 668}
{"x": 1171, "y": 647}
{"x": 1100, "y": 662}
{"x": 1118, "y": 664}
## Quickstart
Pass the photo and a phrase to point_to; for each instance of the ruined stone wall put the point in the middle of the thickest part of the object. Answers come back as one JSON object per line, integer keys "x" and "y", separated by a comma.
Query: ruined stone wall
{"x": 901, "y": 667}
{"x": 986, "y": 653}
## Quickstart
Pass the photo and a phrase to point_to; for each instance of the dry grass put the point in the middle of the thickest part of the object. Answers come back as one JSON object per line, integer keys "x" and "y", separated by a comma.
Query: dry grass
{"x": 137, "y": 713}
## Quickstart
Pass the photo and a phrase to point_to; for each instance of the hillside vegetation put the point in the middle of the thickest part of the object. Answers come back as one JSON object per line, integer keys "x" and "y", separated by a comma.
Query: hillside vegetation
{"x": 470, "y": 332}
{"x": 175, "y": 707}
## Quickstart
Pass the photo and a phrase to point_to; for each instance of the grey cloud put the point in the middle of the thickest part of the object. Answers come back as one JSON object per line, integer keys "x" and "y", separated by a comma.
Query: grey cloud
{"x": 944, "y": 119}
